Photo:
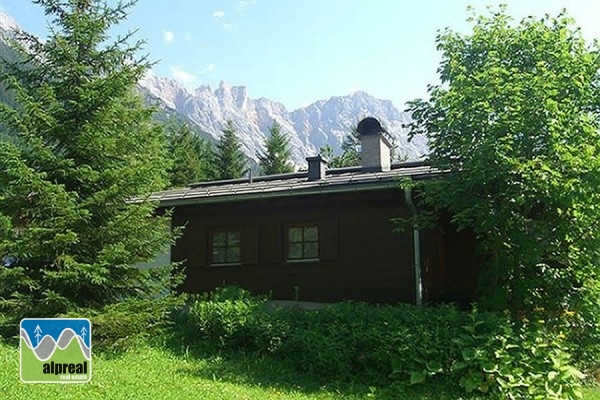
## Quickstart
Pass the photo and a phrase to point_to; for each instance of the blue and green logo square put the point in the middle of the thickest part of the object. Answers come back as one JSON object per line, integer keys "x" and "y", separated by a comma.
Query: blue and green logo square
{"x": 56, "y": 350}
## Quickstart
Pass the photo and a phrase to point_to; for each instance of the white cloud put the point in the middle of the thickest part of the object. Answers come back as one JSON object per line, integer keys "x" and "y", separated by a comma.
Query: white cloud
{"x": 187, "y": 37}
{"x": 219, "y": 14}
{"x": 168, "y": 36}
{"x": 184, "y": 77}
{"x": 227, "y": 25}
{"x": 209, "y": 68}
{"x": 242, "y": 5}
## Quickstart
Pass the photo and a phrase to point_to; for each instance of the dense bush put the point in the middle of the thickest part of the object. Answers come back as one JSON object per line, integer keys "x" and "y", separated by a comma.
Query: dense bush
{"x": 582, "y": 331}
{"x": 345, "y": 341}
{"x": 120, "y": 326}
{"x": 515, "y": 361}
{"x": 475, "y": 352}
{"x": 488, "y": 354}
{"x": 232, "y": 319}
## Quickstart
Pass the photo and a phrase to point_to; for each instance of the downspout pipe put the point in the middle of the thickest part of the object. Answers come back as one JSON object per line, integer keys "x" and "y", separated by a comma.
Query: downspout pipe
{"x": 416, "y": 248}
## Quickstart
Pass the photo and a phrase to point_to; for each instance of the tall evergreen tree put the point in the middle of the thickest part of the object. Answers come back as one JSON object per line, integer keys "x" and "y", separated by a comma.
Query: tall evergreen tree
{"x": 350, "y": 155}
{"x": 276, "y": 158}
{"x": 327, "y": 153}
{"x": 191, "y": 155}
{"x": 86, "y": 146}
{"x": 229, "y": 161}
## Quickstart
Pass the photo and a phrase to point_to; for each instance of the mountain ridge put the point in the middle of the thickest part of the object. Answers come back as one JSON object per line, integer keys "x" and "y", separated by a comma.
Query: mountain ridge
{"x": 324, "y": 122}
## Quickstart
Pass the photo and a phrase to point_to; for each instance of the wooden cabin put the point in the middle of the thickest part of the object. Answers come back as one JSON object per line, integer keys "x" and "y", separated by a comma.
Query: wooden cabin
{"x": 322, "y": 235}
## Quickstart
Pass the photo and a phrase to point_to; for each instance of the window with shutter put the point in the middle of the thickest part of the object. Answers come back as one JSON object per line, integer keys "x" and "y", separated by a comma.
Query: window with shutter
{"x": 225, "y": 247}
{"x": 302, "y": 242}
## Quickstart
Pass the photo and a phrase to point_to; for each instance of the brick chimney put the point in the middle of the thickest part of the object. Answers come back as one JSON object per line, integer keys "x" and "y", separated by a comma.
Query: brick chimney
{"x": 375, "y": 148}
{"x": 316, "y": 168}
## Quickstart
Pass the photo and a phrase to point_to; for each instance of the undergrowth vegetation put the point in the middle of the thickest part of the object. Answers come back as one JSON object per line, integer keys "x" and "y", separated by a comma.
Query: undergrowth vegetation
{"x": 473, "y": 353}
{"x": 470, "y": 354}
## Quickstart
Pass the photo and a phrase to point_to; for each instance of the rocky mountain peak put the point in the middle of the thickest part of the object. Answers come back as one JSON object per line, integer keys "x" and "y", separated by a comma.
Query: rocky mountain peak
{"x": 232, "y": 96}
{"x": 8, "y": 23}
{"x": 324, "y": 122}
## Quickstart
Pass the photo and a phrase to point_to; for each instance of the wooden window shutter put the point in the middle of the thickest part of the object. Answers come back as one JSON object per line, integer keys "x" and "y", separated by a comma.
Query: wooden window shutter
{"x": 328, "y": 240}
{"x": 194, "y": 245}
{"x": 270, "y": 243}
{"x": 249, "y": 245}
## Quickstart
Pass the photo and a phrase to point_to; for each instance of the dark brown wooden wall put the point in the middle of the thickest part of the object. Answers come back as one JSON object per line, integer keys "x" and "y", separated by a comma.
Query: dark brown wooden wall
{"x": 450, "y": 264}
{"x": 361, "y": 258}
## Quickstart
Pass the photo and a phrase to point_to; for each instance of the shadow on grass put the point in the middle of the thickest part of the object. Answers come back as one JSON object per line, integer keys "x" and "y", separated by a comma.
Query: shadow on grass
{"x": 268, "y": 371}
{"x": 264, "y": 372}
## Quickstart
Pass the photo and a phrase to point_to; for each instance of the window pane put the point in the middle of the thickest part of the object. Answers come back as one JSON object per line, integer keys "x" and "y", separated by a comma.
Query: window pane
{"x": 233, "y": 238}
{"x": 311, "y": 234}
{"x": 219, "y": 239}
{"x": 233, "y": 254}
{"x": 218, "y": 254}
{"x": 295, "y": 251}
{"x": 295, "y": 235}
{"x": 311, "y": 250}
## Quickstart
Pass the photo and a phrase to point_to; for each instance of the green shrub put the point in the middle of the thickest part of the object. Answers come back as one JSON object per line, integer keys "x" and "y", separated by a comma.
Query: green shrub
{"x": 423, "y": 343}
{"x": 517, "y": 361}
{"x": 341, "y": 341}
{"x": 231, "y": 319}
{"x": 120, "y": 326}
{"x": 582, "y": 331}
{"x": 474, "y": 352}
{"x": 488, "y": 354}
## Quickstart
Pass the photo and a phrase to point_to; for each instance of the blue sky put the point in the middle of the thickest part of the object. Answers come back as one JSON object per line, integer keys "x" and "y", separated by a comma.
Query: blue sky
{"x": 300, "y": 51}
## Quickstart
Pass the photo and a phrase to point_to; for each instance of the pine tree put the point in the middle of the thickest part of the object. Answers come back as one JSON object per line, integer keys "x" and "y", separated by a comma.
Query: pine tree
{"x": 85, "y": 147}
{"x": 327, "y": 153}
{"x": 190, "y": 155}
{"x": 350, "y": 156}
{"x": 229, "y": 161}
{"x": 276, "y": 158}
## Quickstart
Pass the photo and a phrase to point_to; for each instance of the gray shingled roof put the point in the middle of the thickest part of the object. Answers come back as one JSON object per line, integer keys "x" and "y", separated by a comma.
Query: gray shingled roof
{"x": 336, "y": 180}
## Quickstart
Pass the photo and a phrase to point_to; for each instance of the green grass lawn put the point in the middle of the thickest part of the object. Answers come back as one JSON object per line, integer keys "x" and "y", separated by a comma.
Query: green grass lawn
{"x": 150, "y": 373}
{"x": 592, "y": 394}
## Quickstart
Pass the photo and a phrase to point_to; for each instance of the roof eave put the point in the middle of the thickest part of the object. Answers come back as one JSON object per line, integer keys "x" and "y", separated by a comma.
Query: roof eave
{"x": 322, "y": 189}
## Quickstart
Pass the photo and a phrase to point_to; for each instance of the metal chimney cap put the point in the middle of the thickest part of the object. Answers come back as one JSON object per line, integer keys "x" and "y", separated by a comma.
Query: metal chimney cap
{"x": 369, "y": 126}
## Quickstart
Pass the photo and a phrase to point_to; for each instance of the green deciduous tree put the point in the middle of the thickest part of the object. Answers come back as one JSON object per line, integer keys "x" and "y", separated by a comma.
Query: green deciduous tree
{"x": 190, "y": 155}
{"x": 229, "y": 161}
{"x": 85, "y": 147}
{"x": 276, "y": 158}
{"x": 515, "y": 122}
